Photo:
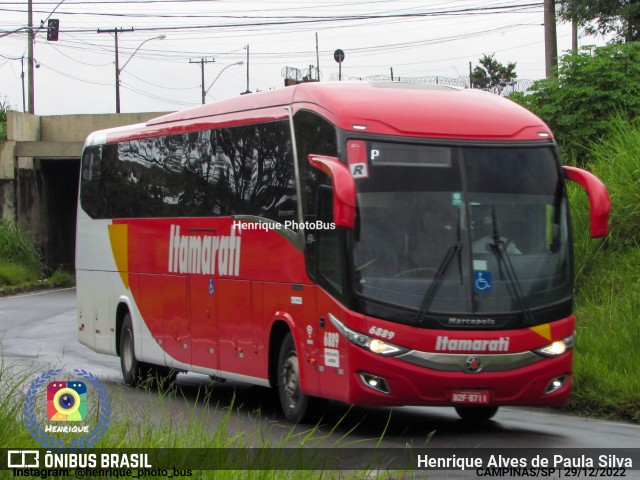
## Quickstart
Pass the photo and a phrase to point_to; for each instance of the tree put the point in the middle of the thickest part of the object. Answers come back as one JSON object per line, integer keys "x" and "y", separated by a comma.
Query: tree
{"x": 620, "y": 17}
{"x": 592, "y": 87}
{"x": 491, "y": 75}
{"x": 4, "y": 106}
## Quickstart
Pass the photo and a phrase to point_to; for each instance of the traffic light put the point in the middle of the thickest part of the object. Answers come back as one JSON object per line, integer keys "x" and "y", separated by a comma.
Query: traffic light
{"x": 53, "y": 27}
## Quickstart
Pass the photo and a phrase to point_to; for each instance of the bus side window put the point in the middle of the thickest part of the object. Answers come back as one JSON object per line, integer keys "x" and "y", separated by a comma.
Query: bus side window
{"x": 325, "y": 248}
{"x": 87, "y": 161}
{"x": 330, "y": 263}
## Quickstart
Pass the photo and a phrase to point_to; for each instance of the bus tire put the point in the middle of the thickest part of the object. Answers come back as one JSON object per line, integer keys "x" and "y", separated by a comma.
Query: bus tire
{"x": 136, "y": 373}
{"x": 297, "y": 406}
{"x": 128, "y": 361}
{"x": 477, "y": 413}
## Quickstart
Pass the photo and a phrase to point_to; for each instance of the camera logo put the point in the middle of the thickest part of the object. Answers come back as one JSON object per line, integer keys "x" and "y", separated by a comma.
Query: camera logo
{"x": 66, "y": 401}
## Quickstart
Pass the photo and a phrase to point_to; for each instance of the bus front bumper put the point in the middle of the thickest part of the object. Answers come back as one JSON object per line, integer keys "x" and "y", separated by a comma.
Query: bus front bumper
{"x": 377, "y": 380}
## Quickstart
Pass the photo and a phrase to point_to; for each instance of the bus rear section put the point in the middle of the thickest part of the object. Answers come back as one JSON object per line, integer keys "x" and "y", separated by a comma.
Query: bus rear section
{"x": 352, "y": 242}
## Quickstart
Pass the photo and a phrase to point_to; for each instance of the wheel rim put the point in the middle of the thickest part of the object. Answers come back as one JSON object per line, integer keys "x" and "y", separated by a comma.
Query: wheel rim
{"x": 127, "y": 351}
{"x": 289, "y": 377}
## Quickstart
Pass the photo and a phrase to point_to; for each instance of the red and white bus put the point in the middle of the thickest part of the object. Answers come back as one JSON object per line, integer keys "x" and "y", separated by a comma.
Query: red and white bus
{"x": 375, "y": 244}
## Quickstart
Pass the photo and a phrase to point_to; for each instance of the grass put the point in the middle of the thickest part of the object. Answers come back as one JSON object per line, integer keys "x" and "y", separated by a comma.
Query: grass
{"x": 12, "y": 273}
{"x": 62, "y": 279}
{"x": 607, "y": 302}
{"x": 188, "y": 427}
{"x": 606, "y": 382}
{"x": 21, "y": 264}
{"x": 17, "y": 248}
{"x": 3, "y": 120}
{"x": 617, "y": 162}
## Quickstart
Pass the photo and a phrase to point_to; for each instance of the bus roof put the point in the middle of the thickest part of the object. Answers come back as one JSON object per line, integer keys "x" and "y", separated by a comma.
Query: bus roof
{"x": 392, "y": 108}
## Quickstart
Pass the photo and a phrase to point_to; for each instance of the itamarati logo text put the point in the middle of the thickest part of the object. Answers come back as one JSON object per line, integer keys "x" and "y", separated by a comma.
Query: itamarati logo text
{"x": 204, "y": 254}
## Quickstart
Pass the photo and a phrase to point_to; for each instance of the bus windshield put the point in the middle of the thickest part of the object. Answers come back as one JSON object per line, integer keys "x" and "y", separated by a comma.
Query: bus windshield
{"x": 462, "y": 230}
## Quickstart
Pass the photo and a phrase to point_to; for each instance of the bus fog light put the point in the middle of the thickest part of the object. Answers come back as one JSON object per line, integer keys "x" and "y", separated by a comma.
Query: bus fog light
{"x": 375, "y": 382}
{"x": 556, "y": 384}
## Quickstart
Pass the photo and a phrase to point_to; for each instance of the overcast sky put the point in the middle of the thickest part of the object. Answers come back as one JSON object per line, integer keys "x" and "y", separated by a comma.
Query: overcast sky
{"x": 416, "y": 38}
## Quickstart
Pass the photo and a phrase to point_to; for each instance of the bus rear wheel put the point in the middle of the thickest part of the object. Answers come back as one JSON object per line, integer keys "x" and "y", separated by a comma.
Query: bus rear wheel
{"x": 134, "y": 372}
{"x": 297, "y": 406}
{"x": 477, "y": 413}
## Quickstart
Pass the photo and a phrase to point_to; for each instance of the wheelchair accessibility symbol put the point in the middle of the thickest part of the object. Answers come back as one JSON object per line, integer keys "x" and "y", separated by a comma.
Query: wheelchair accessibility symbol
{"x": 482, "y": 281}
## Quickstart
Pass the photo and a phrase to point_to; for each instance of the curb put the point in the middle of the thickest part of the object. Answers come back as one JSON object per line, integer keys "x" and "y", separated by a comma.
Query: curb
{"x": 36, "y": 287}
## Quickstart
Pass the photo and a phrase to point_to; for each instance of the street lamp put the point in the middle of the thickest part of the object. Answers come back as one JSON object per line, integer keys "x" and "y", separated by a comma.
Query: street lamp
{"x": 118, "y": 69}
{"x": 218, "y": 76}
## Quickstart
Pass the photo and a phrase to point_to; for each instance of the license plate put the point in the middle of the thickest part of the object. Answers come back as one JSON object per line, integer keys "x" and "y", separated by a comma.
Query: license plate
{"x": 478, "y": 397}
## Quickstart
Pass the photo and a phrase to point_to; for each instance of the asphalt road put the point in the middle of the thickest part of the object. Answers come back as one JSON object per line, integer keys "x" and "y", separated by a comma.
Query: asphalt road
{"x": 38, "y": 332}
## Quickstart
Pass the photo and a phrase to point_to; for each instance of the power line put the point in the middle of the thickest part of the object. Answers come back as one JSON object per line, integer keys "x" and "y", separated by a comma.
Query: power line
{"x": 165, "y": 87}
{"x": 263, "y": 21}
{"x": 356, "y": 27}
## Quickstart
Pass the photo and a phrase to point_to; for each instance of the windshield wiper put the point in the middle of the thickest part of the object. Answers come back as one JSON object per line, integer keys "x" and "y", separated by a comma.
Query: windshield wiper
{"x": 499, "y": 249}
{"x": 438, "y": 278}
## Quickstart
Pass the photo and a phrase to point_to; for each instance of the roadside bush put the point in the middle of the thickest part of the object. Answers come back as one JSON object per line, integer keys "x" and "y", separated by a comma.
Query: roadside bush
{"x": 607, "y": 297}
{"x": 591, "y": 87}
{"x": 617, "y": 163}
{"x": 3, "y": 120}
{"x": 60, "y": 279}
{"x": 17, "y": 248}
{"x": 16, "y": 274}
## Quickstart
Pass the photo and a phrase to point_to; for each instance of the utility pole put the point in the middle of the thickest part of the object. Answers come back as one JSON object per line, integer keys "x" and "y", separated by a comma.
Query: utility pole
{"x": 31, "y": 36}
{"x": 550, "y": 39}
{"x": 24, "y": 104}
{"x": 30, "y": 60}
{"x": 115, "y": 32}
{"x": 317, "y": 59}
{"x": 247, "y": 91}
{"x": 202, "y": 62}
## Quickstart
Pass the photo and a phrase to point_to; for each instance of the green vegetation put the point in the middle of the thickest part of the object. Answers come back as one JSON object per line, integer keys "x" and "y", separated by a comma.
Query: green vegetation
{"x": 593, "y": 108}
{"x": 20, "y": 261}
{"x": 21, "y": 264}
{"x": 62, "y": 279}
{"x": 491, "y": 75}
{"x": 608, "y": 283}
{"x": 180, "y": 420}
{"x": 604, "y": 17}
{"x": 3, "y": 120}
{"x": 592, "y": 87}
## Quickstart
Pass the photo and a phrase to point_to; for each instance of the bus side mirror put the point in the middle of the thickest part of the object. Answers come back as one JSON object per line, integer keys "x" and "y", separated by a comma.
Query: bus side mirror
{"x": 344, "y": 189}
{"x": 599, "y": 202}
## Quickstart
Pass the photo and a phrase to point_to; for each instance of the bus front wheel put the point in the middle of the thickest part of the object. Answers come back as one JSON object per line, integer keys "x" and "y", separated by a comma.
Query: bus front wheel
{"x": 477, "y": 413}
{"x": 134, "y": 372}
{"x": 297, "y": 406}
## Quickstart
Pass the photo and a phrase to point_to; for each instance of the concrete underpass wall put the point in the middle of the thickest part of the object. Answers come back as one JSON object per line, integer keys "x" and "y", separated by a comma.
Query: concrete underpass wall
{"x": 39, "y": 173}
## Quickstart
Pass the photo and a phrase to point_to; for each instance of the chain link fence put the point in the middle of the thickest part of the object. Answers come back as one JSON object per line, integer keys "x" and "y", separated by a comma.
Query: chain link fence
{"x": 461, "y": 82}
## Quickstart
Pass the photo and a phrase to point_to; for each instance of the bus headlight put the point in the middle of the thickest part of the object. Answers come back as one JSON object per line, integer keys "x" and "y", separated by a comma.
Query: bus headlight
{"x": 374, "y": 345}
{"x": 556, "y": 348}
